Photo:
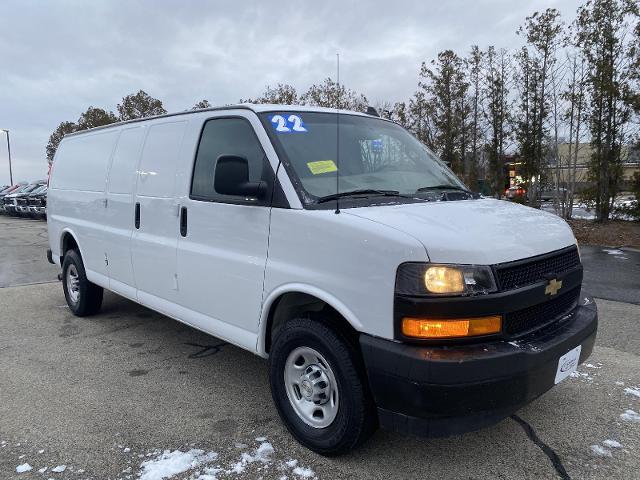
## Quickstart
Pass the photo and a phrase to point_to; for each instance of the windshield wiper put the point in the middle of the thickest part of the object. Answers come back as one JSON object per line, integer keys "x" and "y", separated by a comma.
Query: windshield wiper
{"x": 443, "y": 187}
{"x": 362, "y": 191}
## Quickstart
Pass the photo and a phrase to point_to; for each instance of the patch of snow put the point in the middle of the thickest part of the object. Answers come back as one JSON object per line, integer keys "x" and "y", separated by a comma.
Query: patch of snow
{"x": 40, "y": 451}
{"x": 261, "y": 454}
{"x": 42, "y": 470}
{"x": 21, "y": 457}
{"x": 619, "y": 383}
{"x": 264, "y": 451}
{"x": 209, "y": 473}
{"x": 589, "y": 365}
{"x": 585, "y": 376}
{"x": 613, "y": 251}
{"x": 600, "y": 451}
{"x": 515, "y": 344}
{"x": 59, "y": 469}
{"x": 304, "y": 472}
{"x": 291, "y": 463}
{"x": 25, "y": 467}
{"x": 126, "y": 450}
{"x": 630, "y": 416}
{"x": 261, "y": 439}
{"x": 612, "y": 444}
{"x": 170, "y": 463}
{"x": 632, "y": 391}
{"x": 241, "y": 445}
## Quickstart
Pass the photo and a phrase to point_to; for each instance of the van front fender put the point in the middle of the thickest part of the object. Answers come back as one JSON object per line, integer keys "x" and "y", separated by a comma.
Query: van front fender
{"x": 316, "y": 292}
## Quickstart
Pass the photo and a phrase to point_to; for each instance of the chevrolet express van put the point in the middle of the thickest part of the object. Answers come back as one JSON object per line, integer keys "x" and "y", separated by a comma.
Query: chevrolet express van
{"x": 382, "y": 291}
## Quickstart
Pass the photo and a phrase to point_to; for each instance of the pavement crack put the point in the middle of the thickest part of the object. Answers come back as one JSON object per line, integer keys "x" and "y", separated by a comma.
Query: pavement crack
{"x": 206, "y": 350}
{"x": 546, "y": 449}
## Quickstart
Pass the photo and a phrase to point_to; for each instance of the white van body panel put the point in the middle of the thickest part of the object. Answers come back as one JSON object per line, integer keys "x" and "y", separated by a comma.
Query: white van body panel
{"x": 119, "y": 212}
{"x": 348, "y": 261}
{"x": 77, "y": 193}
{"x": 482, "y": 232}
{"x": 154, "y": 244}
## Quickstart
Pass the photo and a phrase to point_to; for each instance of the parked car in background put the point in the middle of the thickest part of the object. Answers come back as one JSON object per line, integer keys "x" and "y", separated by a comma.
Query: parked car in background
{"x": 8, "y": 191}
{"x": 553, "y": 194}
{"x": 14, "y": 200}
{"x": 24, "y": 200}
{"x": 37, "y": 203}
{"x": 517, "y": 191}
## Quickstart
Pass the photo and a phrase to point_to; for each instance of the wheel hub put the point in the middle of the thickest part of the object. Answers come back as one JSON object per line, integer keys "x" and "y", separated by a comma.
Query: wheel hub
{"x": 315, "y": 385}
{"x": 73, "y": 283}
{"x": 311, "y": 387}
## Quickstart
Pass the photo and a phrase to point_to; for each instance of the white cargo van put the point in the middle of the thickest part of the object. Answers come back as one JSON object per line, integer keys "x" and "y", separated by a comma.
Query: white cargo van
{"x": 382, "y": 291}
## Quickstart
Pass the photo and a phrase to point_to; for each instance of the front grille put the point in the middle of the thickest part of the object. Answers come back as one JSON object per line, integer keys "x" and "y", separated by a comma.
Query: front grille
{"x": 537, "y": 316}
{"x": 521, "y": 273}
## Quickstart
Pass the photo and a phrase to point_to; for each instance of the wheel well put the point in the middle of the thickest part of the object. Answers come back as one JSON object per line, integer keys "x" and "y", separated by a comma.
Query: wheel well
{"x": 295, "y": 304}
{"x": 68, "y": 243}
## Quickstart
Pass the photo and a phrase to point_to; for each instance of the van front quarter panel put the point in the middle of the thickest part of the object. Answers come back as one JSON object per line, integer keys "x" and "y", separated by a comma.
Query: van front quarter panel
{"x": 350, "y": 259}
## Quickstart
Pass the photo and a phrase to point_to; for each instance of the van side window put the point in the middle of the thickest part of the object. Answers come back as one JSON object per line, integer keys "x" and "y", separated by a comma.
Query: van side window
{"x": 225, "y": 136}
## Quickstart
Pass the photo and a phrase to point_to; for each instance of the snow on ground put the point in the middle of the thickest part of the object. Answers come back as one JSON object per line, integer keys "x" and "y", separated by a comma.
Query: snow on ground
{"x": 25, "y": 467}
{"x": 630, "y": 416}
{"x": 612, "y": 444}
{"x": 613, "y": 251}
{"x": 59, "y": 469}
{"x": 632, "y": 391}
{"x": 582, "y": 376}
{"x": 600, "y": 451}
{"x": 303, "y": 472}
{"x": 168, "y": 463}
{"x": 206, "y": 466}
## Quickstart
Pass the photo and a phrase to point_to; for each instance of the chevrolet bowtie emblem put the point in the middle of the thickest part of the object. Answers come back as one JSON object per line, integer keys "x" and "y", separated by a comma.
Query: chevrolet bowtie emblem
{"x": 553, "y": 287}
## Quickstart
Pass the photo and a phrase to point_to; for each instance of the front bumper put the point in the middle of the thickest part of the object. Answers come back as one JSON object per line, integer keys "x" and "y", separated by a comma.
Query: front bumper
{"x": 37, "y": 210}
{"x": 448, "y": 390}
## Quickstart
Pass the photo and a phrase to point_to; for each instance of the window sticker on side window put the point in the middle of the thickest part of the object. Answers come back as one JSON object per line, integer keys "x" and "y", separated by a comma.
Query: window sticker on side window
{"x": 287, "y": 123}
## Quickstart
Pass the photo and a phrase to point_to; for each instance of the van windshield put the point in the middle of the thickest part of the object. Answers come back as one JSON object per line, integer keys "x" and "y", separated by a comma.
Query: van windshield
{"x": 375, "y": 156}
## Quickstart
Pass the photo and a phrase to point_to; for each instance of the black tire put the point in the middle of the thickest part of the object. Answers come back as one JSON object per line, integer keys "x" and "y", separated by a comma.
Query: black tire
{"x": 356, "y": 418}
{"x": 89, "y": 295}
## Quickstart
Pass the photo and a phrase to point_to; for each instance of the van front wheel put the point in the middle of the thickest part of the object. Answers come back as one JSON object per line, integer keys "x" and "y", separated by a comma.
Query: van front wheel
{"x": 319, "y": 387}
{"x": 83, "y": 297}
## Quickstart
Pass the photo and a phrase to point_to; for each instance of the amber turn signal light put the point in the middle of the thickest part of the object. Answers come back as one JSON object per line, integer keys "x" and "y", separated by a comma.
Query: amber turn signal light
{"x": 450, "y": 327}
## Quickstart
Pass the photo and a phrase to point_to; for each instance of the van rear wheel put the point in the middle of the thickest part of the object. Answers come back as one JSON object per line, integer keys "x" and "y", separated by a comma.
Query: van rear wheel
{"x": 83, "y": 297}
{"x": 319, "y": 387}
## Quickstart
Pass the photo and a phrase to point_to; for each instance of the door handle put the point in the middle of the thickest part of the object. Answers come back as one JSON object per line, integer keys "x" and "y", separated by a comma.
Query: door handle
{"x": 137, "y": 219}
{"x": 183, "y": 221}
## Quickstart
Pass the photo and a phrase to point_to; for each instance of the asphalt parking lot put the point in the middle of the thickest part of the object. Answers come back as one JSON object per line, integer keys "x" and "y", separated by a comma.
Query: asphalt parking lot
{"x": 105, "y": 395}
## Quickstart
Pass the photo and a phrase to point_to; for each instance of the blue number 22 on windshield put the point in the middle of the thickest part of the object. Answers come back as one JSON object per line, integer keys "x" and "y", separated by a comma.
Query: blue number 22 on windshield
{"x": 285, "y": 123}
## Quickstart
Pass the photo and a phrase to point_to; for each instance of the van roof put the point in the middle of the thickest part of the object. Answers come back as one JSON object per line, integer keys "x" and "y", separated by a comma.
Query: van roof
{"x": 257, "y": 108}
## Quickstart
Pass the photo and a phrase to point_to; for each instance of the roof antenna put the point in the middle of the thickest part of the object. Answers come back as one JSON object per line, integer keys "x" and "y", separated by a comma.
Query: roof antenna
{"x": 338, "y": 133}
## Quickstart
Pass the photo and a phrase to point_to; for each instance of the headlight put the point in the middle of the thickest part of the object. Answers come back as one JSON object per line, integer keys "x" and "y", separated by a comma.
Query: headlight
{"x": 431, "y": 279}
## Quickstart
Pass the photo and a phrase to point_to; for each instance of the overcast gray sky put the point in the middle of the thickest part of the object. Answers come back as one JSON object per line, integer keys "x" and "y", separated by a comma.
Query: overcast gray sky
{"x": 59, "y": 57}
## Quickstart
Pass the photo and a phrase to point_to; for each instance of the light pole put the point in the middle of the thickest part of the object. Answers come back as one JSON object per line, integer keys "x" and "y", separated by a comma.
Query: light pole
{"x": 9, "y": 151}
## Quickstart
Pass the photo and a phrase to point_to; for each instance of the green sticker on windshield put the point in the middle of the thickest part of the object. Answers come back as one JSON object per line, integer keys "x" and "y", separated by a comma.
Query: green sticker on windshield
{"x": 322, "y": 166}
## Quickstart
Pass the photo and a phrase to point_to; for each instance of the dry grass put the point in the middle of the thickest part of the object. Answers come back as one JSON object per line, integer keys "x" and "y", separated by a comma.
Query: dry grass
{"x": 616, "y": 233}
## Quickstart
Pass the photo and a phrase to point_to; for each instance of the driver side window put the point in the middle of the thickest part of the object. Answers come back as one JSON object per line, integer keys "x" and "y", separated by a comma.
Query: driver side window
{"x": 226, "y": 136}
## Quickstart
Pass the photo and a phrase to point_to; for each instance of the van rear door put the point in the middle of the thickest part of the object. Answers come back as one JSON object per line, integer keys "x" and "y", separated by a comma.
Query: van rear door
{"x": 155, "y": 217}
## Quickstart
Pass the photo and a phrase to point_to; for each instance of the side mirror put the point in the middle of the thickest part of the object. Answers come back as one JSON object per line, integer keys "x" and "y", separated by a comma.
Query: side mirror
{"x": 232, "y": 178}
